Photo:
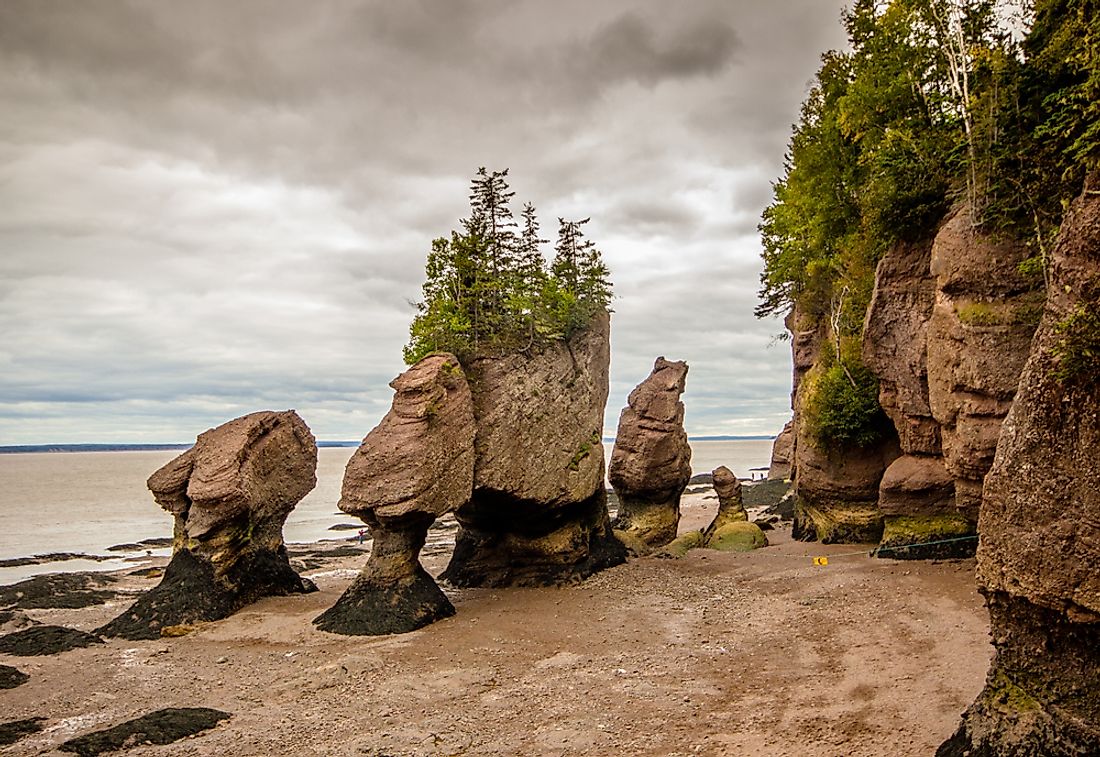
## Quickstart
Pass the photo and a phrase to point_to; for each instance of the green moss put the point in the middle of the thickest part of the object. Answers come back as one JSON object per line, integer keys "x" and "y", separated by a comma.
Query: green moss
{"x": 682, "y": 544}
{"x": 918, "y": 537}
{"x": 1078, "y": 348}
{"x": 979, "y": 314}
{"x": 1001, "y": 693}
{"x": 739, "y": 536}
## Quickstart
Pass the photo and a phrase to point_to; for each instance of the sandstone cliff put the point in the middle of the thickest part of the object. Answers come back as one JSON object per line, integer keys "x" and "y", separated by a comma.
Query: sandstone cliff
{"x": 946, "y": 334}
{"x": 1040, "y": 526}
{"x": 230, "y": 495}
{"x": 538, "y": 512}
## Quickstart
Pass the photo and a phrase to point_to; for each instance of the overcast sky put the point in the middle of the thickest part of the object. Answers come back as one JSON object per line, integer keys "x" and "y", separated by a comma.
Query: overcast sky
{"x": 210, "y": 208}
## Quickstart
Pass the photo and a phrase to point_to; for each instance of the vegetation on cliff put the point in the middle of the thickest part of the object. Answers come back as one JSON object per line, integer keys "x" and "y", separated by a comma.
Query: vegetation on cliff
{"x": 934, "y": 106}
{"x": 488, "y": 289}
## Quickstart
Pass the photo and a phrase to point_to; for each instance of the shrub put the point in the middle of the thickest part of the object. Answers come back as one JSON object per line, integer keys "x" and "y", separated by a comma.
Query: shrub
{"x": 842, "y": 405}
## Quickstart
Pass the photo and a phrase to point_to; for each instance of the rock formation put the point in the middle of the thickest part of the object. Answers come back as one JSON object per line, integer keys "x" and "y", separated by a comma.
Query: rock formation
{"x": 946, "y": 334}
{"x": 230, "y": 495}
{"x": 730, "y": 507}
{"x": 538, "y": 513}
{"x": 651, "y": 461}
{"x": 1040, "y": 526}
{"x": 979, "y": 336}
{"x": 781, "y": 467}
{"x": 416, "y": 465}
{"x": 836, "y": 488}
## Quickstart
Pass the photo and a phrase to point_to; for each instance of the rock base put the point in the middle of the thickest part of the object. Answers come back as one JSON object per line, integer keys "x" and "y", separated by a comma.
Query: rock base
{"x": 372, "y": 607}
{"x": 45, "y": 640}
{"x": 849, "y": 522}
{"x": 504, "y": 542}
{"x": 160, "y": 727}
{"x": 927, "y": 537}
{"x": 191, "y": 592}
{"x": 1042, "y": 696}
{"x": 654, "y": 523}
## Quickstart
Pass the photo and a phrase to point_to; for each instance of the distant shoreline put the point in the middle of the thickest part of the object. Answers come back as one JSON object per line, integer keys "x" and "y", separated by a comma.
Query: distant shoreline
{"x": 15, "y": 449}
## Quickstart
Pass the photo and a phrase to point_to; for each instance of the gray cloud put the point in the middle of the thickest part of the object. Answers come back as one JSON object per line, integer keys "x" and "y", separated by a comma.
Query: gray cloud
{"x": 208, "y": 207}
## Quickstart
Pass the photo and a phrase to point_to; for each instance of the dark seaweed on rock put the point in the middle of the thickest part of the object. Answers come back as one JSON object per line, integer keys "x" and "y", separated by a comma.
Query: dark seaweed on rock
{"x": 11, "y": 677}
{"x": 161, "y": 727}
{"x": 14, "y": 730}
{"x": 45, "y": 640}
{"x": 68, "y": 591}
{"x": 191, "y": 593}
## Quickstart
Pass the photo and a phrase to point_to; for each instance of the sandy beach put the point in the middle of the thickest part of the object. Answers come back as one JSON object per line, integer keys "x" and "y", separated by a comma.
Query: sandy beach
{"x": 713, "y": 654}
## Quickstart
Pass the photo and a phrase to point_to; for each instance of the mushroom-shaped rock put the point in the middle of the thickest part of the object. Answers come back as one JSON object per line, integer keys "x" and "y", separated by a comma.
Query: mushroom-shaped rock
{"x": 730, "y": 507}
{"x": 416, "y": 465}
{"x": 538, "y": 515}
{"x": 651, "y": 462}
{"x": 230, "y": 495}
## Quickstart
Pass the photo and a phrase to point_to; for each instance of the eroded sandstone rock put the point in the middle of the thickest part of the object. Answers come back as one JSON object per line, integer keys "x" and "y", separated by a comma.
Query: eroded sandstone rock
{"x": 230, "y": 495}
{"x": 1040, "y": 528}
{"x": 416, "y": 465}
{"x": 730, "y": 507}
{"x": 979, "y": 334}
{"x": 538, "y": 513}
{"x": 651, "y": 461}
{"x": 781, "y": 466}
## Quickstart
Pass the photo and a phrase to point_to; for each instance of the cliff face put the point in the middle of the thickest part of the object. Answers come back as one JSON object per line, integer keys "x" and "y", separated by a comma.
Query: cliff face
{"x": 1040, "y": 526}
{"x": 836, "y": 486}
{"x": 538, "y": 513}
{"x": 946, "y": 334}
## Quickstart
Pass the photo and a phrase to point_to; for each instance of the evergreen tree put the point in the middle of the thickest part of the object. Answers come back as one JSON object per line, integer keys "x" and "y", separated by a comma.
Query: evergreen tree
{"x": 487, "y": 290}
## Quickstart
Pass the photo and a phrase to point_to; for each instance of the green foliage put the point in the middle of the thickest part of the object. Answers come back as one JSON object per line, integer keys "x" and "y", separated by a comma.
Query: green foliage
{"x": 842, "y": 404}
{"x": 1078, "y": 348}
{"x": 487, "y": 289}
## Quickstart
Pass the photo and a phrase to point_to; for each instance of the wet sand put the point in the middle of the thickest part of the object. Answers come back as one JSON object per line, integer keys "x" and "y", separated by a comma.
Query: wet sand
{"x": 713, "y": 654}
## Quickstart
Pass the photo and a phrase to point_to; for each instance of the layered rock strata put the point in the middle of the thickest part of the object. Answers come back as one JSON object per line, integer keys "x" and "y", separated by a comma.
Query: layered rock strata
{"x": 1040, "y": 527}
{"x": 230, "y": 495}
{"x": 538, "y": 512}
{"x": 946, "y": 334}
{"x": 415, "y": 466}
{"x": 651, "y": 460}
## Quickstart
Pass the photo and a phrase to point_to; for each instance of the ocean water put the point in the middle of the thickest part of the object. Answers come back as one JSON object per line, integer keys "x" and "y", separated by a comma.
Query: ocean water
{"x": 85, "y": 502}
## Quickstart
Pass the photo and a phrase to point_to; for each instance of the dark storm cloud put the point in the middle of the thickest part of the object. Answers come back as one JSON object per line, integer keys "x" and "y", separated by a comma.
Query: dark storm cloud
{"x": 209, "y": 207}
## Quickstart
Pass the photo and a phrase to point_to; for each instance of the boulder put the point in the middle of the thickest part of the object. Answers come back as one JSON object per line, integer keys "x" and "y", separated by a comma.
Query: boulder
{"x": 415, "y": 466}
{"x": 730, "y": 507}
{"x": 920, "y": 521}
{"x": 737, "y": 536}
{"x": 781, "y": 467}
{"x": 230, "y": 495}
{"x": 1040, "y": 526}
{"x": 651, "y": 461}
{"x": 538, "y": 513}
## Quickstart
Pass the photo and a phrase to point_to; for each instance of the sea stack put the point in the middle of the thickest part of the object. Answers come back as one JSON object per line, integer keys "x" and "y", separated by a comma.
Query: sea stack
{"x": 415, "y": 466}
{"x": 730, "y": 507}
{"x": 651, "y": 461}
{"x": 1040, "y": 526}
{"x": 230, "y": 495}
{"x": 538, "y": 513}
{"x": 781, "y": 467}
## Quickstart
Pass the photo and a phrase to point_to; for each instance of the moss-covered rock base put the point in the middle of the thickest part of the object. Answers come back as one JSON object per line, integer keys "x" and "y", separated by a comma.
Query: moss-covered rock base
{"x": 927, "y": 537}
{"x": 1042, "y": 695}
{"x": 192, "y": 591}
{"x": 509, "y": 542}
{"x": 371, "y": 607}
{"x": 738, "y": 536}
